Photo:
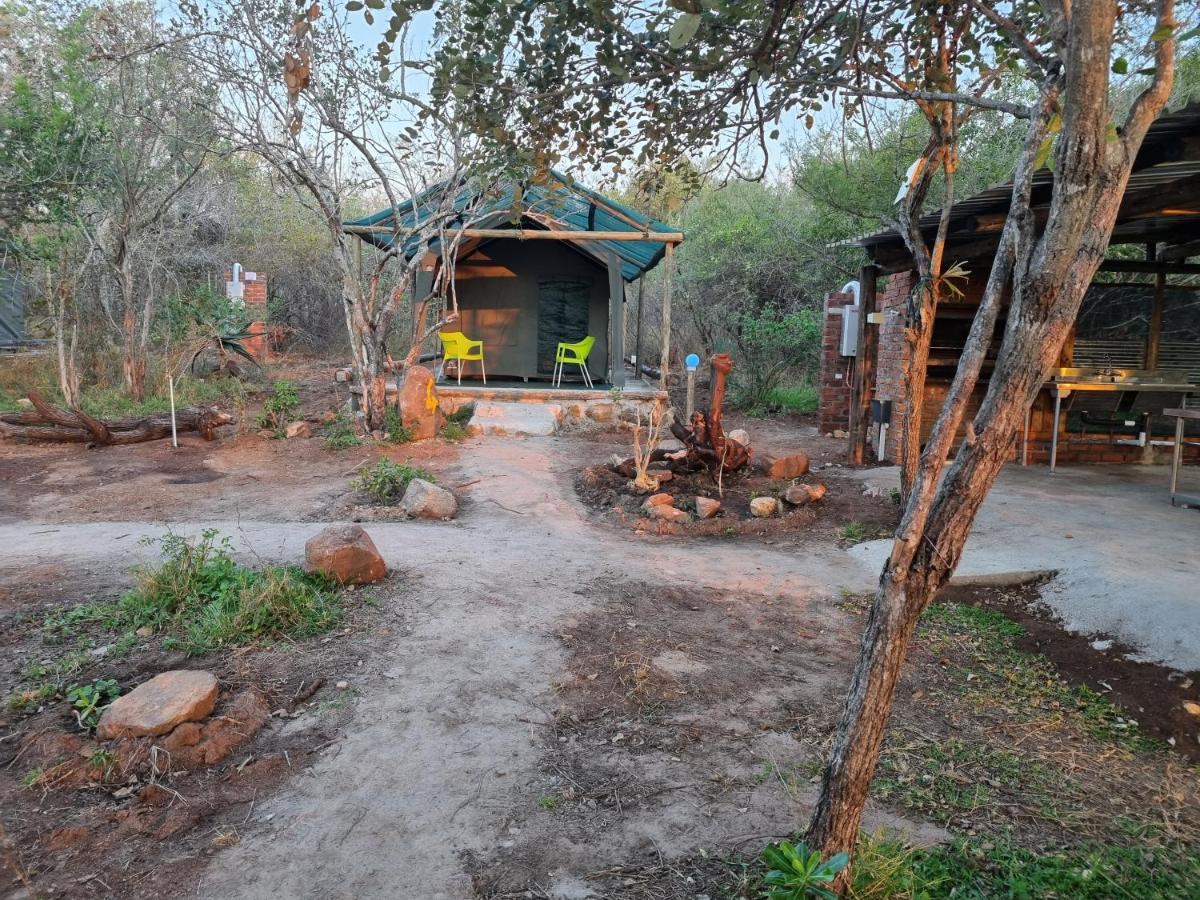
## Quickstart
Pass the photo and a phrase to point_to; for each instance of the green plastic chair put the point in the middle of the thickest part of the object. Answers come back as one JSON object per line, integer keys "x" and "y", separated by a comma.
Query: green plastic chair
{"x": 457, "y": 346}
{"x": 573, "y": 354}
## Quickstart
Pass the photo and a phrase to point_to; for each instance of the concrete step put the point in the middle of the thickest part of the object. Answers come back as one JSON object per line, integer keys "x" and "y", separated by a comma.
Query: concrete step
{"x": 493, "y": 417}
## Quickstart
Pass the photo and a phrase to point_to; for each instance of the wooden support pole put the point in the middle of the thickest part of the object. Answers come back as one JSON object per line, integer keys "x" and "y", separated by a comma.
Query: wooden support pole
{"x": 637, "y": 340}
{"x": 668, "y": 272}
{"x": 1154, "y": 335}
{"x": 864, "y": 367}
{"x": 616, "y": 322}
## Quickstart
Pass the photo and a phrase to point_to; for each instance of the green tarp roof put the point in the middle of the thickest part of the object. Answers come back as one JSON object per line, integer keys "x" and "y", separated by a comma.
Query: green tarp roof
{"x": 572, "y": 206}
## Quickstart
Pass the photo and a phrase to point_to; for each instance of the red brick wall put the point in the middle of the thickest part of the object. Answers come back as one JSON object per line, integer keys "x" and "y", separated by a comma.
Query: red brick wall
{"x": 837, "y": 371}
{"x": 254, "y": 295}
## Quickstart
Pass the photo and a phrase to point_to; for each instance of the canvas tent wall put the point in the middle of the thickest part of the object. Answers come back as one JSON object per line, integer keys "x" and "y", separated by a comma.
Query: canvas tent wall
{"x": 12, "y": 311}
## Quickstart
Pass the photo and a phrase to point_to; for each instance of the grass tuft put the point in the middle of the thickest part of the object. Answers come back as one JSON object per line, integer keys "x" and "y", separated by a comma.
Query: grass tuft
{"x": 386, "y": 481}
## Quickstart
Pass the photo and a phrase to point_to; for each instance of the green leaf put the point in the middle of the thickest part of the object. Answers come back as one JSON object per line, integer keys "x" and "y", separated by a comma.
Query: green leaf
{"x": 375, "y": 4}
{"x": 1162, "y": 33}
{"x": 1043, "y": 153}
{"x": 1120, "y": 66}
{"x": 353, "y": 5}
{"x": 683, "y": 30}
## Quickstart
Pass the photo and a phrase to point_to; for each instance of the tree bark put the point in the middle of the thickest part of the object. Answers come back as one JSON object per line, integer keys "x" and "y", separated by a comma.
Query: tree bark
{"x": 1050, "y": 275}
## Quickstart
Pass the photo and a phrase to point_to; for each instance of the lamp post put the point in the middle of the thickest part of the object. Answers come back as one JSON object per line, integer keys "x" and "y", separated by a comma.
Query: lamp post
{"x": 692, "y": 363}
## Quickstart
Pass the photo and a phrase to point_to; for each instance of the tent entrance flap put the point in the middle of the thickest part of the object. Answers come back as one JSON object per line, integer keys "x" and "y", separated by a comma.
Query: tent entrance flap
{"x": 562, "y": 316}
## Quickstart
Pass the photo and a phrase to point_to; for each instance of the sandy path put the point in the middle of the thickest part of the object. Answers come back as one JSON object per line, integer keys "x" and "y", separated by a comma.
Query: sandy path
{"x": 447, "y": 725}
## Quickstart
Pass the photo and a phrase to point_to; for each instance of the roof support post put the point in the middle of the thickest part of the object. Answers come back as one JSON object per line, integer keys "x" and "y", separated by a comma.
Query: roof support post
{"x": 637, "y": 341}
{"x": 1154, "y": 333}
{"x": 616, "y": 322}
{"x": 864, "y": 367}
{"x": 668, "y": 272}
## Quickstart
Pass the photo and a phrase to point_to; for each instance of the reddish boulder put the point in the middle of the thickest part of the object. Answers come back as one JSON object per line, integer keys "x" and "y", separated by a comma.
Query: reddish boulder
{"x": 802, "y": 494}
{"x": 160, "y": 704}
{"x": 345, "y": 553}
{"x": 419, "y": 404}
{"x": 707, "y": 507}
{"x": 785, "y": 467}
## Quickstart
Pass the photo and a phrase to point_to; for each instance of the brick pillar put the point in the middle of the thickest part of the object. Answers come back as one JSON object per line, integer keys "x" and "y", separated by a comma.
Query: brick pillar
{"x": 251, "y": 289}
{"x": 837, "y": 371}
{"x": 889, "y": 366}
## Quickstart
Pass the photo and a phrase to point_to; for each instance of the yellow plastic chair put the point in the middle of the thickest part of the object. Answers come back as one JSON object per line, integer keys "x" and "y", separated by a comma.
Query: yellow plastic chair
{"x": 573, "y": 354}
{"x": 457, "y": 346}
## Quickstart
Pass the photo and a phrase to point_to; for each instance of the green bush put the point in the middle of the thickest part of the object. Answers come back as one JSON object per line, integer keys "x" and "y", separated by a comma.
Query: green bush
{"x": 462, "y": 415}
{"x": 339, "y": 434}
{"x": 790, "y": 398}
{"x": 280, "y": 408}
{"x": 394, "y": 430}
{"x": 386, "y": 481}
{"x": 90, "y": 700}
{"x": 203, "y": 599}
{"x": 796, "y": 873}
{"x": 454, "y": 431}
{"x": 773, "y": 345}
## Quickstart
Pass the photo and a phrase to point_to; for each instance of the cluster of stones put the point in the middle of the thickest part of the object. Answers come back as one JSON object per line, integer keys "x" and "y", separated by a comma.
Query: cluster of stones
{"x": 662, "y": 506}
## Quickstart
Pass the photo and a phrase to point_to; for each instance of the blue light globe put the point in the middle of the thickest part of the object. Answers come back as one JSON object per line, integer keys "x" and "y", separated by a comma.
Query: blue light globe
{"x": 692, "y": 361}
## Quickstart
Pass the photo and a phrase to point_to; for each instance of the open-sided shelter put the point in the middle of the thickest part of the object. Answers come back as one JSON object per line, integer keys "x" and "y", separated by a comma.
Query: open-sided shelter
{"x": 1134, "y": 351}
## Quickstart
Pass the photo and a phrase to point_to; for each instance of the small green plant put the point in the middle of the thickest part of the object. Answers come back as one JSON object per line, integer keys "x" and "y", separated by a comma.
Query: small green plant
{"x": 454, "y": 431}
{"x": 103, "y": 759}
{"x": 796, "y": 872}
{"x": 395, "y": 431}
{"x": 386, "y": 481}
{"x": 33, "y": 777}
{"x": 280, "y": 408}
{"x": 615, "y": 393}
{"x": 90, "y": 700}
{"x": 339, "y": 434}
{"x": 550, "y": 802}
{"x": 462, "y": 415}
{"x": 895, "y": 496}
{"x": 853, "y": 532}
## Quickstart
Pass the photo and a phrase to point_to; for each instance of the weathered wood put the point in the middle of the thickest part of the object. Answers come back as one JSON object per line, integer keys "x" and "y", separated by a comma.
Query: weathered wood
{"x": 864, "y": 367}
{"x": 616, "y": 321}
{"x": 50, "y": 423}
{"x": 537, "y": 234}
{"x": 668, "y": 273}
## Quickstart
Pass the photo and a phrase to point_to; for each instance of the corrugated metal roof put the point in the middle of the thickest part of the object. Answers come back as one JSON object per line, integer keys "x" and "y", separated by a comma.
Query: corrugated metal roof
{"x": 1167, "y": 130}
{"x": 562, "y": 203}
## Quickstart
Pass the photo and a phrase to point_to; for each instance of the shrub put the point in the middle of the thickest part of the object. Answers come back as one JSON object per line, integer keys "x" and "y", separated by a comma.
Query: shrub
{"x": 454, "y": 431}
{"x": 394, "y": 430}
{"x": 853, "y": 532}
{"x": 339, "y": 434}
{"x": 772, "y": 345}
{"x": 797, "y": 873}
{"x": 386, "y": 481}
{"x": 280, "y": 408}
{"x": 462, "y": 415}
{"x": 204, "y": 599}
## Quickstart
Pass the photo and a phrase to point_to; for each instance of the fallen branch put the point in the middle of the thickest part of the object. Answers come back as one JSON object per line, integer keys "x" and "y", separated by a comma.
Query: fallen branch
{"x": 51, "y": 423}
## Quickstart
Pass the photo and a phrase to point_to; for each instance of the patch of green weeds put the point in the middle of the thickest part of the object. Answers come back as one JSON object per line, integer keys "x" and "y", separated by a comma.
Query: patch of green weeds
{"x": 90, "y": 700}
{"x": 395, "y": 431}
{"x": 386, "y": 481}
{"x": 103, "y": 759}
{"x": 853, "y": 532}
{"x": 201, "y": 598}
{"x": 453, "y": 431}
{"x": 33, "y": 777}
{"x": 339, "y": 434}
{"x": 550, "y": 802}
{"x": 998, "y": 673}
{"x": 462, "y": 415}
{"x": 280, "y": 408}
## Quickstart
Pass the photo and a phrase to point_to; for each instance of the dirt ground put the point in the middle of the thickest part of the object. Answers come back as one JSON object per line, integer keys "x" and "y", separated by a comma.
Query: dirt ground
{"x": 543, "y": 701}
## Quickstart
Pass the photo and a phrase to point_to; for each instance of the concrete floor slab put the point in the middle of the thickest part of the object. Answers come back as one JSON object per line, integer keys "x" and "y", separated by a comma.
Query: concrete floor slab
{"x": 1128, "y": 562}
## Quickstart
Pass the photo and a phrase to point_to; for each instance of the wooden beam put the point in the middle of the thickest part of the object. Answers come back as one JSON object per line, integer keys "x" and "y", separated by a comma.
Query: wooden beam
{"x": 1154, "y": 334}
{"x": 668, "y": 271}
{"x": 616, "y": 321}
{"x": 534, "y": 234}
{"x": 637, "y": 341}
{"x": 1137, "y": 265}
{"x": 864, "y": 367}
{"x": 1180, "y": 252}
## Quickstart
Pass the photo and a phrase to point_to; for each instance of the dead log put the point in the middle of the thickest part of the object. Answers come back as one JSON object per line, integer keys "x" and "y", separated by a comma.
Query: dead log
{"x": 704, "y": 440}
{"x": 51, "y": 423}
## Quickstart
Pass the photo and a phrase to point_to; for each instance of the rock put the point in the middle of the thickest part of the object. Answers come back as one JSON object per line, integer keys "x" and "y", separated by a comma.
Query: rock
{"x": 266, "y": 433}
{"x": 785, "y": 467}
{"x": 706, "y": 507}
{"x": 145, "y": 631}
{"x": 342, "y": 685}
{"x": 668, "y": 513}
{"x": 871, "y": 489}
{"x": 418, "y": 402}
{"x": 802, "y": 494}
{"x": 1102, "y": 645}
{"x": 763, "y": 507}
{"x": 160, "y": 704}
{"x": 24, "y": 403}
{"x": 300, "y": 429}
{"x": 659, "y": 500}
{"x": 840, "y": 433}
{"x": 602, "y": 412}
{"x": 346, "y": 553}
{"x": 1192, "y": 708}
{"x": 662, "y": 477}
{"x": 741, "y": 435}
{"x": 342, "y": 376}
{"x": 425, "y": 500}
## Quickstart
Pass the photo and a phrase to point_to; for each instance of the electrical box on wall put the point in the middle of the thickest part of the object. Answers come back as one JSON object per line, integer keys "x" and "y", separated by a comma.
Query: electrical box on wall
{"x": 850, "y": 316}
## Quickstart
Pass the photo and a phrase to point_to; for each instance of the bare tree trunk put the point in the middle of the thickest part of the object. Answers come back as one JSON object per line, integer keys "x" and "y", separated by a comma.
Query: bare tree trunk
{"x": 68, "y": 372}
{"x": 1050, "y": 276}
